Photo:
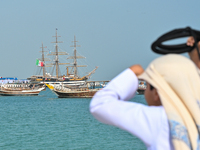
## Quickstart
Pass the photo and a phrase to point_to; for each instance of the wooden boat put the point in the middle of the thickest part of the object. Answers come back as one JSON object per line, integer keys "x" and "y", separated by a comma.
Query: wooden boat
{"x": 86, "y": 90}
{"x": 20, "y": 89}
{"x": 81, "y": 93}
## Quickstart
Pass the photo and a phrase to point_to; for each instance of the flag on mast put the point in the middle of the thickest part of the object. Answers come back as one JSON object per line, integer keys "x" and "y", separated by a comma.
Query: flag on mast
{"x": 39, "y": 63}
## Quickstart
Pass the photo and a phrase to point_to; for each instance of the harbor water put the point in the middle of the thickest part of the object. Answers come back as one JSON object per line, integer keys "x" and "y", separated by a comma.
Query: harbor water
{"x": 48, "y": 122}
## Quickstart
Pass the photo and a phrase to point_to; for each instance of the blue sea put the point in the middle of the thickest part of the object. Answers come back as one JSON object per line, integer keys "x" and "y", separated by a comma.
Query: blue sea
{"x": 47, "y": 122}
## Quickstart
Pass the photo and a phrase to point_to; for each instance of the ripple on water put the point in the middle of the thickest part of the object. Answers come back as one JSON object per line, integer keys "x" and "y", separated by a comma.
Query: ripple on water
{"x": 47, "y": 122}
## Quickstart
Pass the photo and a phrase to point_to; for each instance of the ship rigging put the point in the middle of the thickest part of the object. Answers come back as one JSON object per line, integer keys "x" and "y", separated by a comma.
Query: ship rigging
{"x": 55, "y": 75}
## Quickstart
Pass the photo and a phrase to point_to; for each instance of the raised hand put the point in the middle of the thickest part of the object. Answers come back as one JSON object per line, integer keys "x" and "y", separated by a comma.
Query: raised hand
{"x": 194, "y": 54}
{"x": 137, "y": 69}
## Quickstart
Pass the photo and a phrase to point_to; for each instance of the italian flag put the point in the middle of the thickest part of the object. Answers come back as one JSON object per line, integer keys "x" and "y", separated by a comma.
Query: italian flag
{"x": 39, "y": 63}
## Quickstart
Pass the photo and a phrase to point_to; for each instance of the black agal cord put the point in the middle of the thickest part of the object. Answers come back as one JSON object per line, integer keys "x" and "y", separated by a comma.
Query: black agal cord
{"x": 160, "y": 48}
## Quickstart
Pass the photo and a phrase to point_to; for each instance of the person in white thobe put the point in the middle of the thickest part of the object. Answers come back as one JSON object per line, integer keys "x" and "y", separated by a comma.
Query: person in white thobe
{"x": 148, "y": 123}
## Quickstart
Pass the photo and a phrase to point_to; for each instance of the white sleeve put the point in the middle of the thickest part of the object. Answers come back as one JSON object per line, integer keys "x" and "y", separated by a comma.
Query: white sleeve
{"x": 108, "y": 106}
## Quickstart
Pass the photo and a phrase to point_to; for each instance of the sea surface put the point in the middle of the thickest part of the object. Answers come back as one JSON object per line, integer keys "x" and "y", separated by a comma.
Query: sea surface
{"x": 47, "y": 122}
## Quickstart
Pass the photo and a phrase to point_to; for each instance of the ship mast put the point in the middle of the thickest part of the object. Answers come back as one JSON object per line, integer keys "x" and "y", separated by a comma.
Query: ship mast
{"x": 75, "y": 64}
{"x": 75, "y": 60}
{"x": 56, "y": 59}
{"x": 43, "y": 59}
{"x": 43, "y": 67}
{"x": 56, "y": 53}
{"x": 75, "y": 57}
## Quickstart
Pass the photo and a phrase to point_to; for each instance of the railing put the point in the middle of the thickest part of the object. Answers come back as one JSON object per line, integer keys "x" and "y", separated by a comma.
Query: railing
{"x": 86, "y": 86}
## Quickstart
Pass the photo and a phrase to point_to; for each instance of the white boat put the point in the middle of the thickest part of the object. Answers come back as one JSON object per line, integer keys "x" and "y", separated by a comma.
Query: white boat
{"x": 84, "y": 90}
{"x": 20, "y": 89}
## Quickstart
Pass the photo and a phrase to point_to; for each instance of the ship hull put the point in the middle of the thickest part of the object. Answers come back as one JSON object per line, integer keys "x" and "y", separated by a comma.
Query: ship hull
{"x": 18, "y": 93}
{"x": 11, "y": 94}
{"x": 78, "y": 94}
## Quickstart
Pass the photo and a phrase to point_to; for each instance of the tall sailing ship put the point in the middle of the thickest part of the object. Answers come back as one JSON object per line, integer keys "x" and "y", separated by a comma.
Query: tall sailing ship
{"x": 55, "y": 75}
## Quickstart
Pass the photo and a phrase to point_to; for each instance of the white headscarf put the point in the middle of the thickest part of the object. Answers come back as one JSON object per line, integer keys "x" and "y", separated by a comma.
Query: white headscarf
{"x": 177, "y": 81}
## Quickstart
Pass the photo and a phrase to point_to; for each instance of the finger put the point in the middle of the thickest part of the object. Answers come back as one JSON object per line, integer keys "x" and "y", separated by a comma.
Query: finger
{"x": 190, "y": 44}
{"x": 190, "y": 41}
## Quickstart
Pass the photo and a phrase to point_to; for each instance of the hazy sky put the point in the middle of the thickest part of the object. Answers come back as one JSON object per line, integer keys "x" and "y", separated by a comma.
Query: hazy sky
{"x": 113, "y": 34}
